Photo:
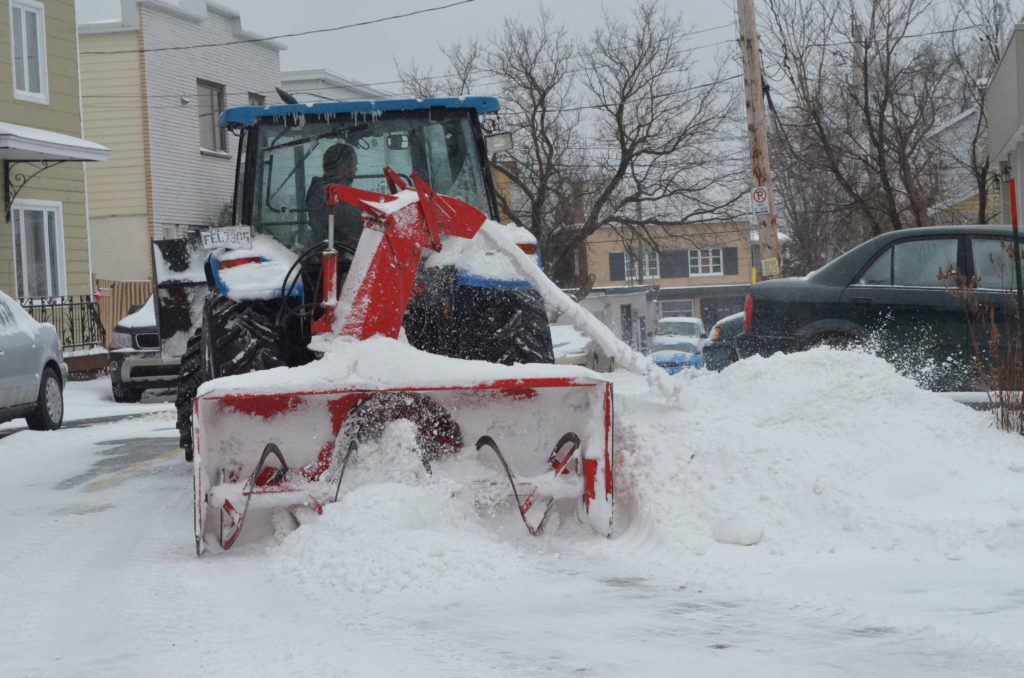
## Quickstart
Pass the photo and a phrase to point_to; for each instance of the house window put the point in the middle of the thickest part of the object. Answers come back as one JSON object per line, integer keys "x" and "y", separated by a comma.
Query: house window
{"x": 28, "y": 47}
{"x": 257, "y": 99}
{"x": 211, "y": 105}
{"x": 706, "y": 262}
{"x": 38, "y": 248}
{"x": 649, "y": 266}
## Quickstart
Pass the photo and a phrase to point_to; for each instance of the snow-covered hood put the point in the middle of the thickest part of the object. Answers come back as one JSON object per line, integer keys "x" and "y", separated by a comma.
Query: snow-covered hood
{"x": 255, "y": 280}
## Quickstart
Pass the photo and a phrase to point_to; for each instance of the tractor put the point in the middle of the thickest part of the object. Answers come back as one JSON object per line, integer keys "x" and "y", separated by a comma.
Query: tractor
{"x": 365, "y": 282}
{"x": 222, "y": 315}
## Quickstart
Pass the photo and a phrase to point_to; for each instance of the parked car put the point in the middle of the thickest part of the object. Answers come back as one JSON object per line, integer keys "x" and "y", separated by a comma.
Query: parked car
{"x": 720, "y": 348}
{"x": 896, "y": 294}
{"x": 32, "y": 369}
{"x": 681, "y": 326}
{"x": 675, "y": 354}
{"x": 136, "y": 362}
{"x": 573, "y": 347}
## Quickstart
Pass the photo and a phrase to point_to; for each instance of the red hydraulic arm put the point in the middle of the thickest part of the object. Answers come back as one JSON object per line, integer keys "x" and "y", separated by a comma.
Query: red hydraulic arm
{"x": 397, "y": 228}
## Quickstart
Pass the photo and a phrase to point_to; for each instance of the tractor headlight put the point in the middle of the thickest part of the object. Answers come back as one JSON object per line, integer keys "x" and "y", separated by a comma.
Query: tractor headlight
{"x": 121, "y": 340}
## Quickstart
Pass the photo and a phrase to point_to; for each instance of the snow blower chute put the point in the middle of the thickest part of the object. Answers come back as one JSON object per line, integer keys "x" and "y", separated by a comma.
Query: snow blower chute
{"x": 282, "y": 438}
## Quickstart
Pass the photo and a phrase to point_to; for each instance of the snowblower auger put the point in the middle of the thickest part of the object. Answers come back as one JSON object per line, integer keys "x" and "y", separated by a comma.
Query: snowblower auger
{"x": 317, "y": 416}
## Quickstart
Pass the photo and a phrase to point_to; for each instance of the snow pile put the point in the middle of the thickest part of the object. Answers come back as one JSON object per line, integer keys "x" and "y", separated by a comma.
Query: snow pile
{"x": 397, "y": 529}
{"x": 822, "y": 452}
{"x": 478, "y": 258}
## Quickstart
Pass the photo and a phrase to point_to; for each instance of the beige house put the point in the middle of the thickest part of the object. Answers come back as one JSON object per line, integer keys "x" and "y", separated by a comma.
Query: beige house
{"x": 157, "y": 108}
{"x": 700, "y": 270}
{"x": 44, "y": 244}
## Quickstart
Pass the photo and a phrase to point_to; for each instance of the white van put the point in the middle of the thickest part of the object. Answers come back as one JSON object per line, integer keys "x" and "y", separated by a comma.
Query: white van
{"x": 680, "y": 326}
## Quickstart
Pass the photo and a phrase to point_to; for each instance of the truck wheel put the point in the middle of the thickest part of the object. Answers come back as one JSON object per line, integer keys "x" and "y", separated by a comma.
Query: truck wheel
{"x": 49, "y": 412}
{"x": 123, "y": 394}
{"x": 235, "y": 338}
{"x": 437, "y": 433}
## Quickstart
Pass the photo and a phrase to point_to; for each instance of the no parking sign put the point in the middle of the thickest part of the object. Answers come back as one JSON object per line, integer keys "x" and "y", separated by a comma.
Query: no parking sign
{"x": 759, "y": 199}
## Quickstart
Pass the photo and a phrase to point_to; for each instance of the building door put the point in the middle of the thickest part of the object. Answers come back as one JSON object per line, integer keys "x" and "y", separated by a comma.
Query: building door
{"x": 626, "y": 323}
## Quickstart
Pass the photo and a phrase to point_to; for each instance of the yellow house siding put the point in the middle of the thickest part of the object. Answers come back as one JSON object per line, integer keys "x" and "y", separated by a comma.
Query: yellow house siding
{"x": 687, "y": 236}
{"x": 112, "y": 106}
{"x": 64, "y": 183}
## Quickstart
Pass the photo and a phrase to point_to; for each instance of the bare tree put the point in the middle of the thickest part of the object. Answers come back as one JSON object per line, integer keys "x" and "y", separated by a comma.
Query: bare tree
{"x": 868, "y": 82}
{"x": 658, "y": 153}
{"x": 460, "y": 80}
{"x": 975, "y": 46}
{"x": 616, "y": 129}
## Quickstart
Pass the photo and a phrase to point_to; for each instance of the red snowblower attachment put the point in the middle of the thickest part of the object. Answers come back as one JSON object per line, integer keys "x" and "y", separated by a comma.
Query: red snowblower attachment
{"x": 282, "y": 438}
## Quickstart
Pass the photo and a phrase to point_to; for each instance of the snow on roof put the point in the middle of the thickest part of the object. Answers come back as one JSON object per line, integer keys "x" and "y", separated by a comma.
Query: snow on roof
{"x": 22, "y": 143}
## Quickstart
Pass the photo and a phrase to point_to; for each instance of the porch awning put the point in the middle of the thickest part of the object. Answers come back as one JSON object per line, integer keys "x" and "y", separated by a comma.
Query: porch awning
{"x": 19, "y": 143}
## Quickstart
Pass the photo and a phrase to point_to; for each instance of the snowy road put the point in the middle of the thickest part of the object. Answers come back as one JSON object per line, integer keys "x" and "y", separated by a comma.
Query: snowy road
{"x": 100, "y": 576}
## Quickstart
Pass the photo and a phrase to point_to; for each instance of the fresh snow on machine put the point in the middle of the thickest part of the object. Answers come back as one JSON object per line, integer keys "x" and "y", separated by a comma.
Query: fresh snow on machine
{"x": 283, "y": 438}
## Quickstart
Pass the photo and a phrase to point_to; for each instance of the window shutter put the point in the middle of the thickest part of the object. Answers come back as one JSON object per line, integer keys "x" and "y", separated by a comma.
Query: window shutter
{"x": 730, "y": 261}
{"x": 616, "y": 266}
{"x": 675, "y": 264}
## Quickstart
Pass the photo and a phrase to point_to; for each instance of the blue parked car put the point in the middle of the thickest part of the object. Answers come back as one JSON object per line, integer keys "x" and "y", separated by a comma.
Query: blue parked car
{"x": 675, "y": 354}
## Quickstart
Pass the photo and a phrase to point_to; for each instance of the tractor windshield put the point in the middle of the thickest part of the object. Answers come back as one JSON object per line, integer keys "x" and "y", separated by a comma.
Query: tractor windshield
{"x": 294, "y": 163}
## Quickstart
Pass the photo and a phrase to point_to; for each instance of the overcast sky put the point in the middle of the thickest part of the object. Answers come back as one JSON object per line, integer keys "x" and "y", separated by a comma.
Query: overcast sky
{"x": 368, "y": 54}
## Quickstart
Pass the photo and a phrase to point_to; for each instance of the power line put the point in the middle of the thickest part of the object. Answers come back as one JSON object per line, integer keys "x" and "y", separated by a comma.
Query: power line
{"x": 386, "y": 82}
{"x": 286, "y": 35}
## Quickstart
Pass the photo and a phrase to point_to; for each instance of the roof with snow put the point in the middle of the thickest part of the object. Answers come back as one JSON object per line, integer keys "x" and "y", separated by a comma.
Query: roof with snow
{"x": 247, "y": 115}
{"x": 20, "y": 143}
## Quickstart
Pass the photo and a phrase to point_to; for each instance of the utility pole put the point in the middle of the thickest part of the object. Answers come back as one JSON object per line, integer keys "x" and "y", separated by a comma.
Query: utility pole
{"x": 762, "y": 196}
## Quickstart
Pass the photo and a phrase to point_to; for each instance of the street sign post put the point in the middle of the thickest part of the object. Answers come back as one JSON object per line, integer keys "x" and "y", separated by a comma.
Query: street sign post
{"x": 759, "y": 199}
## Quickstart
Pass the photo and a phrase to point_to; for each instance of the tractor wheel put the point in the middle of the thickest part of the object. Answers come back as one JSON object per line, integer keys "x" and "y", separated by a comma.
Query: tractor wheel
{"x": 437, "y": 433}
{"x": 502, "y": 326}
{"x": 235, "y": 338}
{"x": 189, "y": 378}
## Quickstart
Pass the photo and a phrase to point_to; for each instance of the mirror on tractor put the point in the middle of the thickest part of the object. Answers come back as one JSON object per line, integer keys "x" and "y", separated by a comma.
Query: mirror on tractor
{"x": 500, "y": 141}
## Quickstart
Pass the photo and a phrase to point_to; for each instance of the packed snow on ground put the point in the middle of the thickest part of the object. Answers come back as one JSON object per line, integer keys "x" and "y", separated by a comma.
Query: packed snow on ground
{"x": 804, "y": 515}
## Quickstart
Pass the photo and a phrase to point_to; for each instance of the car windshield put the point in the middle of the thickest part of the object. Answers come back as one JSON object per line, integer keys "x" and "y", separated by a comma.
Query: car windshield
{"x": 678, "y": 346}
{"x": 293, "y": 161}
{"x": 682, "y": 328}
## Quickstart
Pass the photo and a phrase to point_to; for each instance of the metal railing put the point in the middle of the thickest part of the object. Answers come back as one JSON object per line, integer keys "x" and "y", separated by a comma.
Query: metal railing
{"x": 76, "y": 318}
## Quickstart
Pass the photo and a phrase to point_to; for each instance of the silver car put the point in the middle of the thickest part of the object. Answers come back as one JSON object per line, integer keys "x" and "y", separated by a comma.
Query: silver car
{"x": 32, "y": 369}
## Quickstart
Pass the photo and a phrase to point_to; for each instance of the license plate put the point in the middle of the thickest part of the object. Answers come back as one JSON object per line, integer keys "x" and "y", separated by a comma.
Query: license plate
{"x": 228, "y": 237}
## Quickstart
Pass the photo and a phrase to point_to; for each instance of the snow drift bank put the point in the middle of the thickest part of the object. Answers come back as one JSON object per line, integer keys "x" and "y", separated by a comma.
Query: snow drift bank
{"x": 811, "y": 454}
{"x": 824, "y": 451}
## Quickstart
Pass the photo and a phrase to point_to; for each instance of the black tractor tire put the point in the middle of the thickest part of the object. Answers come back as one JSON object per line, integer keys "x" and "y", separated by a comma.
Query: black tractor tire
{"x": 189, "y": 378}
{"x": 235, "y": 338}
{"x": 124, "y": 394}
{"x": 49, "y": 412}
{"x": 437, "y": 433}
